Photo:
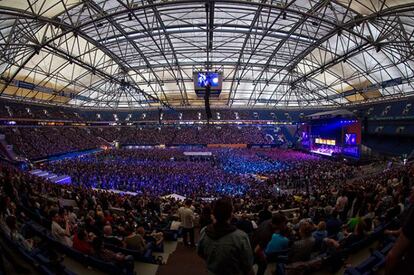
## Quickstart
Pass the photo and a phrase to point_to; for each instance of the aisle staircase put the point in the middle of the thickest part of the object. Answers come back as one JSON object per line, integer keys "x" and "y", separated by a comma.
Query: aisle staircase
{"x": 64, "y": 179}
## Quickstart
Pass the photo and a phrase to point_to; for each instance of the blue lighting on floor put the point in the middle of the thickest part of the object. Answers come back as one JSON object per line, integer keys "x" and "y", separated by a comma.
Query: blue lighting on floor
{"x": 241, "y": 165}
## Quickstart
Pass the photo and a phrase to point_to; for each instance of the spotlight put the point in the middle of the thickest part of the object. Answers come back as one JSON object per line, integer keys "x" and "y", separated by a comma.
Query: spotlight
{"x": 284, "y": 15}
{"x": 130, "y": 16}
{"x": 378, "y": 48}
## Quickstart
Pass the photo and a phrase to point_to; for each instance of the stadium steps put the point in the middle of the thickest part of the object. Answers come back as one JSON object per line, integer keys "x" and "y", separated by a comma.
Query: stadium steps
{"x": 52, "y": 177}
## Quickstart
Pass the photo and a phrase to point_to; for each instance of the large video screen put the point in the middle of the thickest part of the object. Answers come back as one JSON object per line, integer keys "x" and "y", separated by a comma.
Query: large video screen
{"x": 202, "y": 79}
{"x": 350, "y": 139}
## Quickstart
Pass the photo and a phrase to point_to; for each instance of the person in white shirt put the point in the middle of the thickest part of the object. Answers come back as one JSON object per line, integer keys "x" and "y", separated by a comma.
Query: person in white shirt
{"x": 186, "y": 215}
{"x": 60, "y": 234}
{"x": 341, "y": 204}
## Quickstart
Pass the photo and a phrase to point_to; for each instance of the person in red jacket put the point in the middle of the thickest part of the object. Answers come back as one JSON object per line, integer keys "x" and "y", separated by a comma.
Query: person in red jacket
{"x": 81, "y": 242}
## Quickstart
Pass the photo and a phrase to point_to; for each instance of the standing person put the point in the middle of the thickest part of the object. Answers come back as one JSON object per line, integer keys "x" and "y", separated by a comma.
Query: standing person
{"x": 225, "y": 248}
{"x": 401, "y": 257}
{"x": 265, "y": 214}
{"x": 341, "y": 206}
{"x": 263, "y": 235}
{"x": 186, "y": 215}
{"x": 205, "y": 218}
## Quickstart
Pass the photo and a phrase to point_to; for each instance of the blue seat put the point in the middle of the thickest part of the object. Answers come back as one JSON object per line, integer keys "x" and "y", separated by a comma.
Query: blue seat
{"x": 387, "y": 248}
{"x": 109, "y": 268}
{"x": 367, "y": 264}
{"x": 145, "y": 257}
{"x": 352, "y": 271}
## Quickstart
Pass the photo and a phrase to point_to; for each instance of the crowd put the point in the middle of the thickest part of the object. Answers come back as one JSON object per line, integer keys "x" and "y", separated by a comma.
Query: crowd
{"x": 205, "y": 134}
{"x": 151, "y": 171}
{"x": 98, "y": 220}
{"x": 40, "y": 142}
{"x": 236, "y": 172}
{"x": 340, "y": 208}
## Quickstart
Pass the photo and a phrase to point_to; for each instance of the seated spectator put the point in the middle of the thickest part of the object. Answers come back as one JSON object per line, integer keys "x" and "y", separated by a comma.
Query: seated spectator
{"x": 109, "y": 238}
{"x": 333, "y": 223}
{"x": 358, "y": 234}
{"x": 109, "y": 256}
{"x": 71, "y": 216}
{"x": 10, "y": 229}
{"x": 135, "y": 241}
{"x": 301, "y": 250}
{"x": 81, "y": 242}
{"x": 320, "y": 234}
{"x": 235, "y": 254}
{"x": 60, "y": 234}
{"x": 91, "y": 227}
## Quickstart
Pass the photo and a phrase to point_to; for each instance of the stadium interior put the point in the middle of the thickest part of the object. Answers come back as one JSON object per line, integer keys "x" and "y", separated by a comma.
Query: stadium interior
{"x": 181, "y": 137}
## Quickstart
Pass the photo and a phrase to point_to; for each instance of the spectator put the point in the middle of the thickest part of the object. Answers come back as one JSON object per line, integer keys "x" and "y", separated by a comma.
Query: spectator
{"x": 81, "y": 242}
{"x": 109, "y": 256}
{"x": 278, "y": 242}
{"x": 225, "y": 248}
{"x": 263, "y": 236}
{"x": 400, "y": 258}
{"x": 60, "y": 234}
{"x": 135, "y": 241}
{"x": 333, "y": 223}
{"x": 320, "y": 234}
{"x": 187, "y": 222}
{"x": 109, "y": 238}
{"x": 341, "y": 205}
{"x": 245, "y": 224}
{"x": 265, "y": 214}
{"x": 301, "y": 250}
{"x": 205, "y": 218}
{"x": 10, "y": 229}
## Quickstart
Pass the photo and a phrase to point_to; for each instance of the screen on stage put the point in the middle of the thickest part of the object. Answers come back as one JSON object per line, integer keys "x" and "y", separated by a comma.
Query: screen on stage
{"x": 350, "y": 139}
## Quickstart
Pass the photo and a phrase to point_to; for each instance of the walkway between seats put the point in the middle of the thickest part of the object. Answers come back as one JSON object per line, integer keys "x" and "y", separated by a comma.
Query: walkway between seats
{"x": 184, "y": 261}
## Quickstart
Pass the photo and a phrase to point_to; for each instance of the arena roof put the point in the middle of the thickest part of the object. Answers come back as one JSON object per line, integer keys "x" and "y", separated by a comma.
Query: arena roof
{"x": 140, "y": 54}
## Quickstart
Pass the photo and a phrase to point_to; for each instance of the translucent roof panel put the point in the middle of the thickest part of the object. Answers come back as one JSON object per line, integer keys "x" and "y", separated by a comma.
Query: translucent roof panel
{"x": 142, "y": 54}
